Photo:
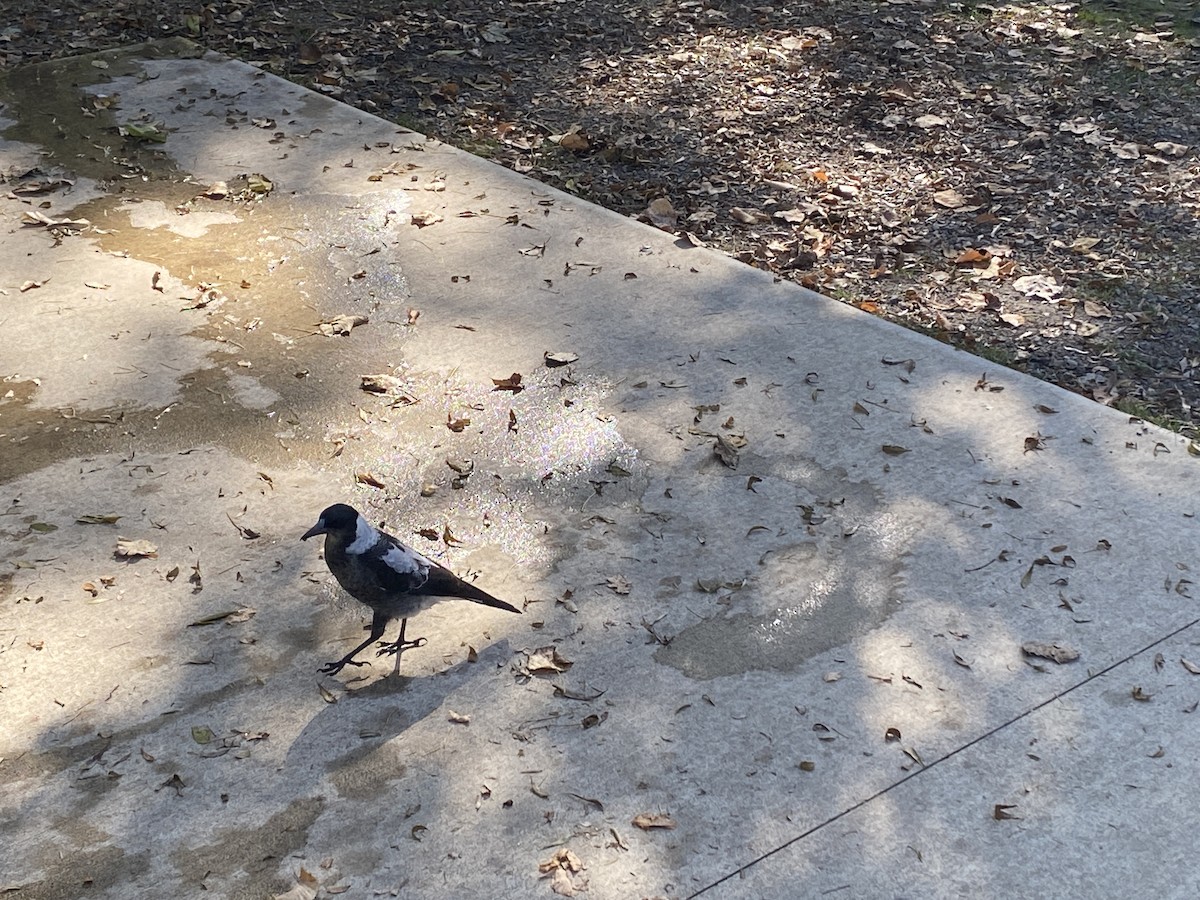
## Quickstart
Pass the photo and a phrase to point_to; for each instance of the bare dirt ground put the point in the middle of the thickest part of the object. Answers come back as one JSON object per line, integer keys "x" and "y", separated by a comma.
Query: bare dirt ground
{"x": 1020, "y": 180}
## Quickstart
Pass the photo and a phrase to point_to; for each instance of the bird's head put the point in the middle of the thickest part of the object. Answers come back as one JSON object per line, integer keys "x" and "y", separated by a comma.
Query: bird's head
{"x": 336, "y": 518}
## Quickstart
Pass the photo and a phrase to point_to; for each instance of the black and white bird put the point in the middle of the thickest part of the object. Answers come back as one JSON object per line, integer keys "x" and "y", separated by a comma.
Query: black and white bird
{"x": 393, "y": 579}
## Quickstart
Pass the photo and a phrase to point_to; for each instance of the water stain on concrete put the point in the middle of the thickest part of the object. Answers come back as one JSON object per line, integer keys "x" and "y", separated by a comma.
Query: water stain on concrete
{"x": 803, "y": 597}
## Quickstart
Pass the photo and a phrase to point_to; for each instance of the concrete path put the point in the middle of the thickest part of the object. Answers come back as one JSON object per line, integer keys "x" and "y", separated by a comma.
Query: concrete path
{"x": 813, "y": 606}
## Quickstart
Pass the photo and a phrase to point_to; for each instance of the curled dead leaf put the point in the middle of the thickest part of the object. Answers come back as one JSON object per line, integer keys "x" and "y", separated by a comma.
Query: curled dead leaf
{"x": 305, "y": 888}
{"x": 1055, "y": 652}
{"x": 130, "y": 549}
{"x": 511, "y": 383}
{"x": 619, "y": 584}
{"x": 647, "y": 821}
{"x": 341, "y": 325}
{"x": 546, "y": 660}
{"x": 726, "y": 450}
{"x": 661, "y": 213}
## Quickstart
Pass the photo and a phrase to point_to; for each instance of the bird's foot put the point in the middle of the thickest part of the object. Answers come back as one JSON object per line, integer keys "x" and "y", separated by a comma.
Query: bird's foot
{"x": 334, "y": 667}
{"x": 391, "y": 648}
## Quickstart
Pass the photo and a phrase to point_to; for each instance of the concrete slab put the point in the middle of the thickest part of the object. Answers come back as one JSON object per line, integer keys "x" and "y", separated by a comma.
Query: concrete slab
{"x": 790, "y": 552}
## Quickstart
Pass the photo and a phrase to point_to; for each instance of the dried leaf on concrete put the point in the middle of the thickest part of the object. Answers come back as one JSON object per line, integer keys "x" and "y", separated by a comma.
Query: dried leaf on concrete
{"x": 1059, "y": 653}
{"x": 341, "y": 325}
{"x": 726, "y": 451}
{"x": 546, "y": 660}
{"x": 619, "y": 584}
{"x": 305, "y": 888}
{"x": 648, "y": 821}
{"x": 139, "y": 549}
{"x": 511, "y": 383}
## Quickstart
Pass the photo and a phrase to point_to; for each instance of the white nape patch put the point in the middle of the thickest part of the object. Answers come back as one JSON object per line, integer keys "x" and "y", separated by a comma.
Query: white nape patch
{"x": 401, "y": 560}
{"x": 365, "y": 537}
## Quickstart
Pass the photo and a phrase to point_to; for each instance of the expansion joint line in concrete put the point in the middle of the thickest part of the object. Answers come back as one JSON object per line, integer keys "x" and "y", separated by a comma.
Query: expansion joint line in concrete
{"x": 741, "y": 870}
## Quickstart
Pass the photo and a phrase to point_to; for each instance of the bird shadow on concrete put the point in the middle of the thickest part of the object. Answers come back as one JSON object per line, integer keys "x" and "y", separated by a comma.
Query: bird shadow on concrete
{"x": 362, "y": 719}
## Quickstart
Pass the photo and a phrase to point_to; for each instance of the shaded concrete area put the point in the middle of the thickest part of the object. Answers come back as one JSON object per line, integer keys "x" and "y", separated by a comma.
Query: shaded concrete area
{"x": 788, "y": 555}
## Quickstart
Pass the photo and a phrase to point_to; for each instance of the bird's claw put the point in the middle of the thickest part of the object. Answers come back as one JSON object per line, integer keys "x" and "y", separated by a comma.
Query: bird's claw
{"x": 393, "y": 647}
{"x": 334, "y": 667}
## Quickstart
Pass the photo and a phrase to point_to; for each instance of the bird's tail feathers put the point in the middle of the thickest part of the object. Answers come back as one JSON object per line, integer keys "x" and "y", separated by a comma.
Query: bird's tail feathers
{"x": 444, "y": 583}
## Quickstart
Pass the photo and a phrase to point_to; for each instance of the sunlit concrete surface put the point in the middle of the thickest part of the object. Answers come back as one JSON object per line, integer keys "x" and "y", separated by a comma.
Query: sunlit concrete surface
{"x": 797, "y": 660}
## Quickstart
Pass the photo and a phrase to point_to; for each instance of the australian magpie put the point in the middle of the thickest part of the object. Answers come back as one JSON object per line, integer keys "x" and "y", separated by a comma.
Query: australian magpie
{"x": 391, "y": 578}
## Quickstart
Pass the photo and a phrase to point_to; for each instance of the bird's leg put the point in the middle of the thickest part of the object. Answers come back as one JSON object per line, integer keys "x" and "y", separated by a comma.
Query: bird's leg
{"x": 397, "y": 647}
{"x": 378, "y": 626}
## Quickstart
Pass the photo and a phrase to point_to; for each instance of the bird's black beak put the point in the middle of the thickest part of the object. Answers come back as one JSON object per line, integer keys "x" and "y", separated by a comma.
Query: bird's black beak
{"x": 319, "y": 528}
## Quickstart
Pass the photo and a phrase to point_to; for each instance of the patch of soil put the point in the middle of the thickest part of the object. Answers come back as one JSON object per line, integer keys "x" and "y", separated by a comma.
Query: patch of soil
{"x": 1019, "y": 180}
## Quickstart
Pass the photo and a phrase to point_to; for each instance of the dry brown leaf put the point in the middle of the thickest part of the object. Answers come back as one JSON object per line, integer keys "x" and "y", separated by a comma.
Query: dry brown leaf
{"x": 341, "y": 325}
{"x": 304, "y": 889}
{"x": 661, "y": 213}
{"x": 950, "y": 199}
{"x": 547, "y": 659}
{"x": 381, "y": 384}
{"x": 1058, "y": 653}
{"x": 619, "y": 584}
{"x": 562, "y": 859}
{"x": 726, "y": 451}
{"x": 131, "y": 549}
{"x": 564, "y": 885}
{"x": 511, "y": 383}
{"x": 425, "y": 219}
{"x": 647, "y": 821}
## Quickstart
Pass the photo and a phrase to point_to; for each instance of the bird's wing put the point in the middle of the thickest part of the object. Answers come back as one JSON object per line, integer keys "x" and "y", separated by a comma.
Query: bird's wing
{"x": 389, "y": 568}
{"x": 399, "y": 569}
